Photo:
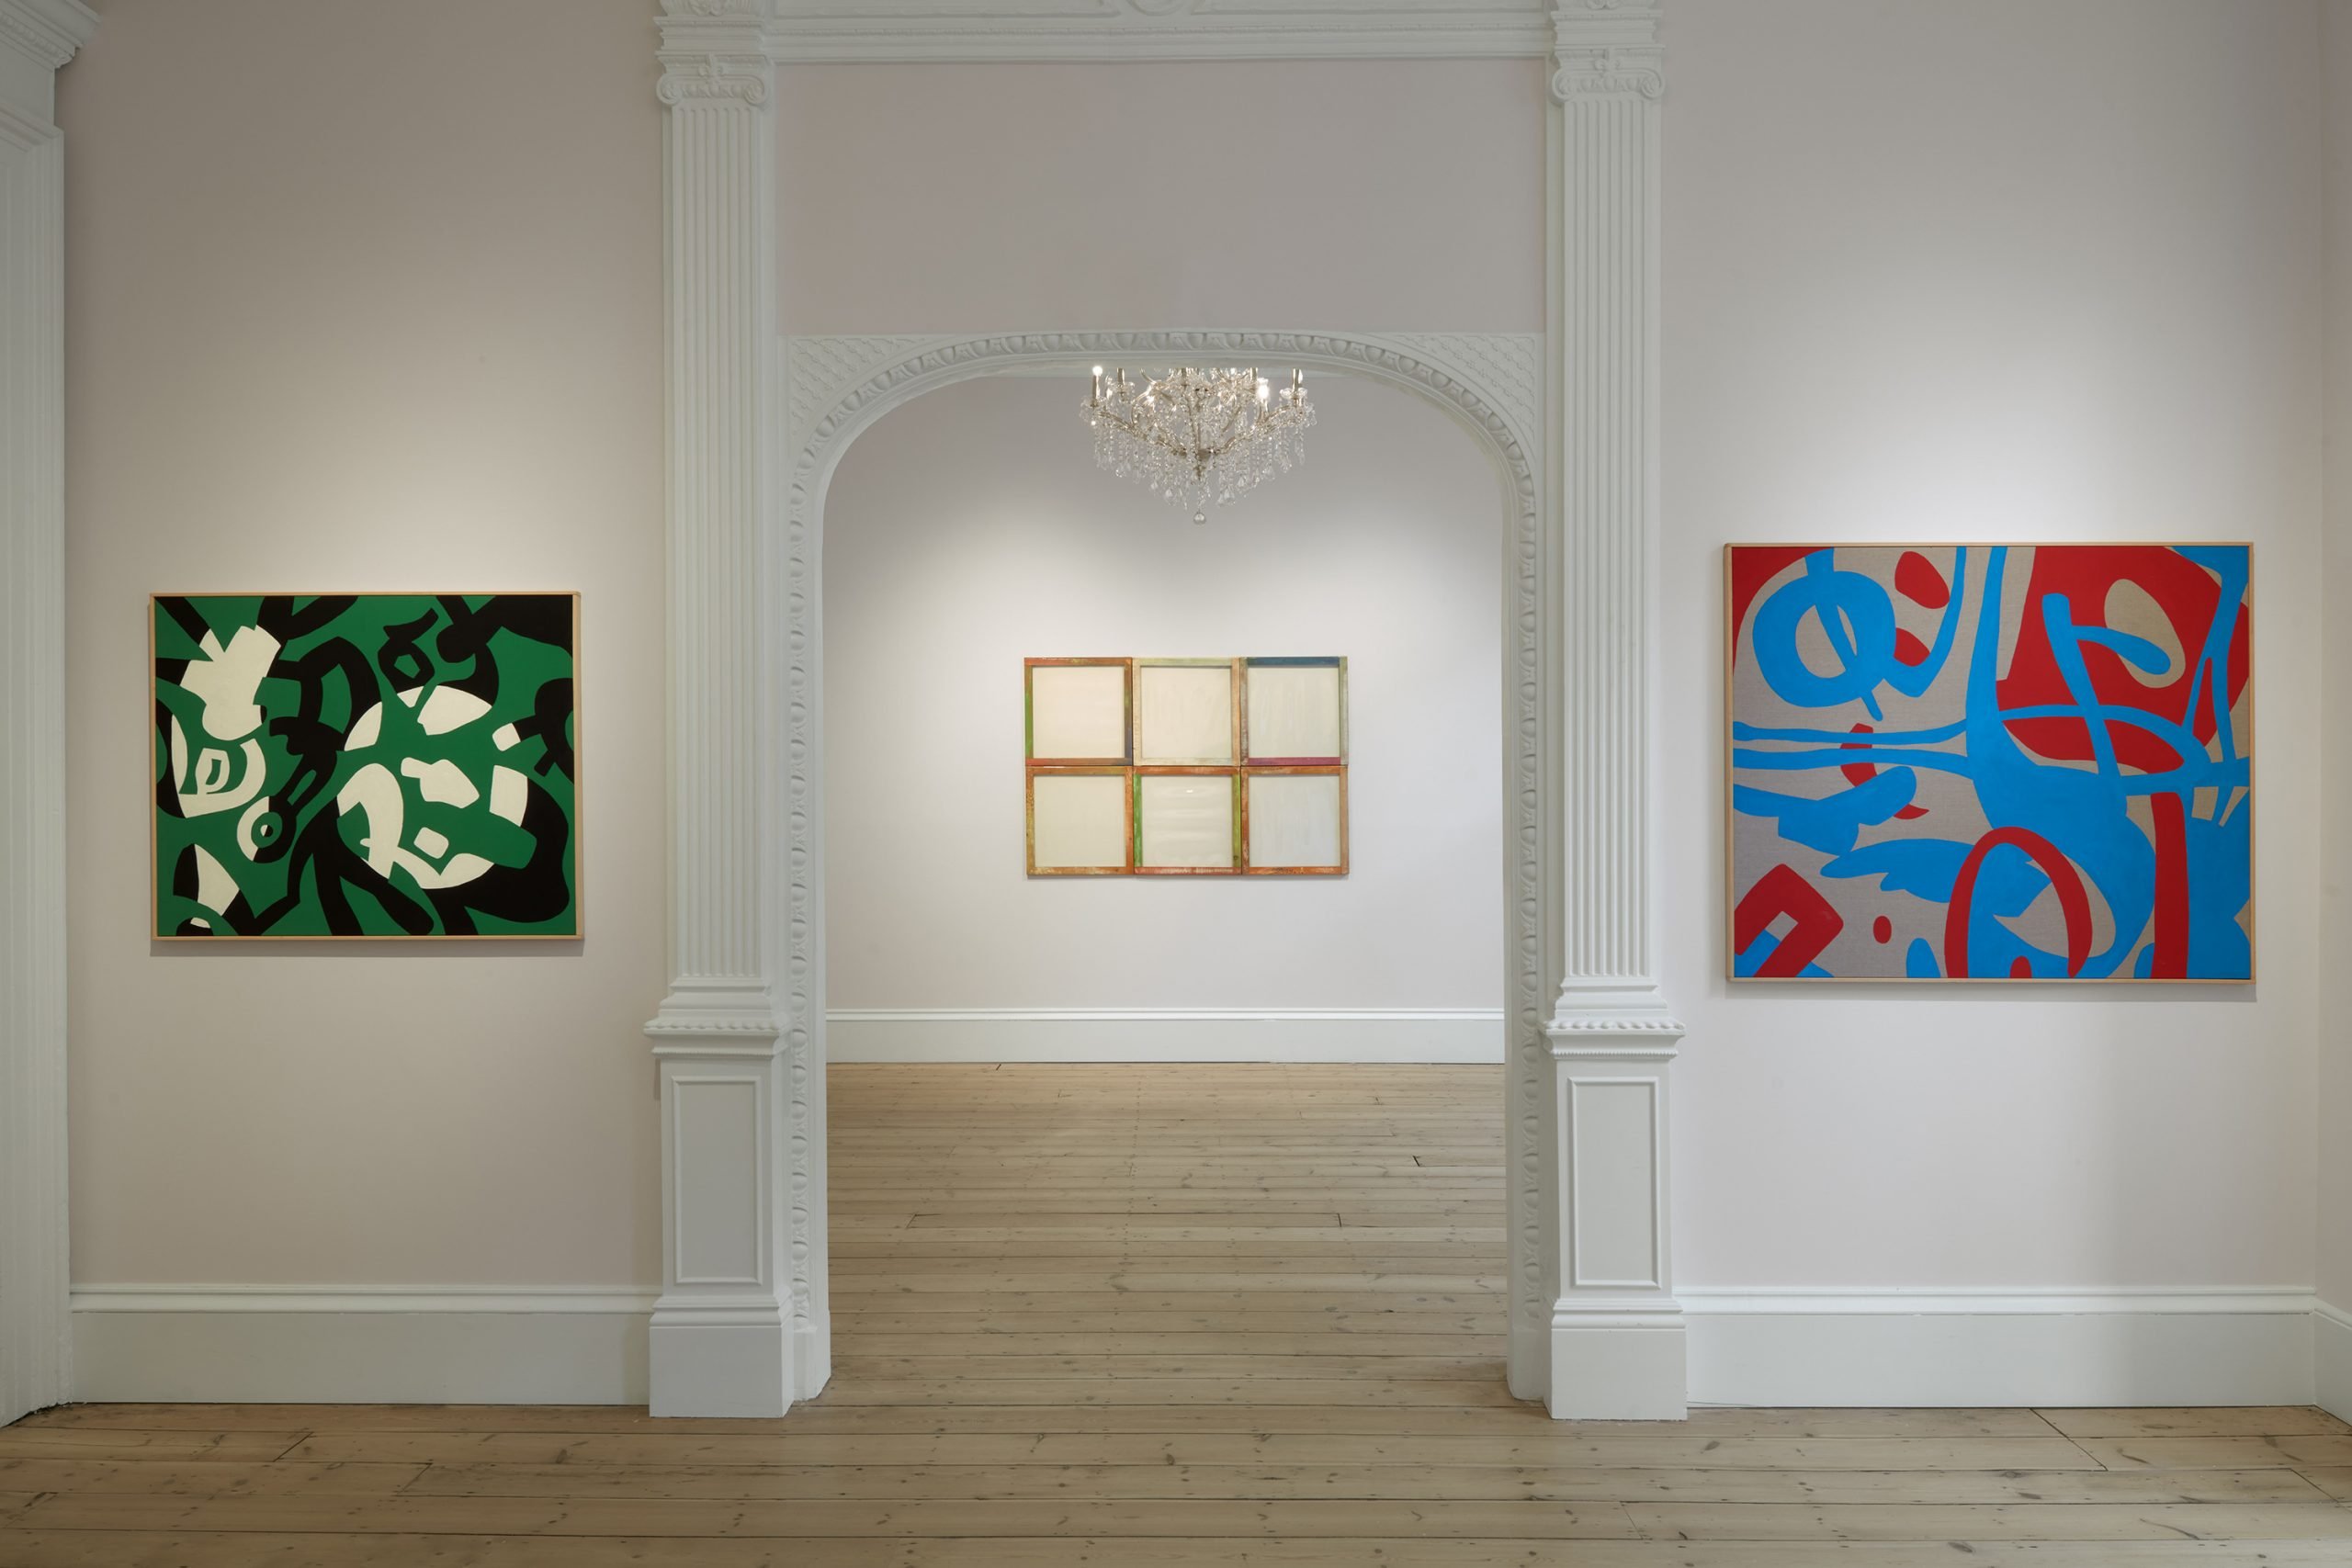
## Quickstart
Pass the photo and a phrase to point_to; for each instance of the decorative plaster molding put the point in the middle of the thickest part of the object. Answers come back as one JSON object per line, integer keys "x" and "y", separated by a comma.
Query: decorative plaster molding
{"x": 1607, "y": 49}
{"x": 843, "y": 30}
{"x": 47, "y": 31}
{"x": 1491, "y": 382}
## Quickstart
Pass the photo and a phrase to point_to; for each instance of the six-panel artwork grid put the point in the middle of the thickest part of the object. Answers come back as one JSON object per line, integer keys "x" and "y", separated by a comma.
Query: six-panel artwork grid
{"x": 1186, "y": 767}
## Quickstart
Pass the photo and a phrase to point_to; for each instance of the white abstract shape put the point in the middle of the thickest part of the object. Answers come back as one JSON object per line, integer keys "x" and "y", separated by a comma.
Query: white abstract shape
{"x": 227, "y": 679}
{"x": 447, "y": 709}
{"x": 376, "y": 793}
{"x": 507, "y": 738}
{"x": 431, "y": 842}
{"x": 411, "y": 696}
{"x": 363, "y": 734}
{"x": 215, "y": 888}
{"x": 441, "y": 780}
{"x": 207, "y": 796}
{"x": 508, "y": 791}
{"x": 199, "y": 922}
{"x": 461, "y": 868}
{"x": 246, "y": 840}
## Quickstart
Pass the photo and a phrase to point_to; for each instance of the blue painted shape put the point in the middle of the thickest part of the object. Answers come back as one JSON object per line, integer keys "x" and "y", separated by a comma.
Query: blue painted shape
{"x": 1919, "y": 961}
{"x": 1745, "y": 965}
{"x": 1832, "y": 823}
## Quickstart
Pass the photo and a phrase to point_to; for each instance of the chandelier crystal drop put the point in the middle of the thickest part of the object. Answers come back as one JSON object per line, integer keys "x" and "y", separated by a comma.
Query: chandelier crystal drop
{"x": 1199, "y": 438}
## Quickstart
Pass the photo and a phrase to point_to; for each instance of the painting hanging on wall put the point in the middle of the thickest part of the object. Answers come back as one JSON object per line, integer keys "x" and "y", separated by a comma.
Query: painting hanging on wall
{"x": 365, "y": 765}
{"x": 1186, "y": 767}
{"x": 1991, "y": 763}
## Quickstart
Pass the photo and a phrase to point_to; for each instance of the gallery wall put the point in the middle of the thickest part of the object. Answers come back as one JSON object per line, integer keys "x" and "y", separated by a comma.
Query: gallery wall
{"x": 2002, "y": 271}
{"x": 364, "y": 297}
{"x": 970, "y": 530}
{"x": 2334, "y": 1100}
{"x": 1372, "y": 195}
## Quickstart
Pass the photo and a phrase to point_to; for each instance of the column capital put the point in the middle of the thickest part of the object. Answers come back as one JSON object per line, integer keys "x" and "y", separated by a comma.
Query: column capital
{"x": 716, "y": 53}
{"x": 1607, "y": 49}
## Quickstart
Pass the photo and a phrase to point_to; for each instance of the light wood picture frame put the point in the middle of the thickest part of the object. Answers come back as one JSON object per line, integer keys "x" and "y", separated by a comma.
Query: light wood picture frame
{"x": 1088, "y": 822}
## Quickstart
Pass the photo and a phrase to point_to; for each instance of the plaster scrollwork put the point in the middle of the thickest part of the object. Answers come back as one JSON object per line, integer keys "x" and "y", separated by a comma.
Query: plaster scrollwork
{"x": 1492, "y": 383}
{"x": 713, "y": 78}
{"x": 1607, "y": 49}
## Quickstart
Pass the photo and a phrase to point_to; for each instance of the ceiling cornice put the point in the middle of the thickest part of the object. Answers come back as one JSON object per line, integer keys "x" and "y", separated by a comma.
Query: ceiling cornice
{"x": 855, "y": 30}
{"x": 49, "y": 31}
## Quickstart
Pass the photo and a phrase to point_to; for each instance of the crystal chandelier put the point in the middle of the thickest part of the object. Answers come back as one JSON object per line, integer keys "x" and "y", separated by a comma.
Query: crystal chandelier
{"x": 1200, "y": 438}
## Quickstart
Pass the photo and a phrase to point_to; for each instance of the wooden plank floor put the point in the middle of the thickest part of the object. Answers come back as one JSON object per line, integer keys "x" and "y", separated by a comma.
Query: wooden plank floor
{"x": 1142, "y": 1316}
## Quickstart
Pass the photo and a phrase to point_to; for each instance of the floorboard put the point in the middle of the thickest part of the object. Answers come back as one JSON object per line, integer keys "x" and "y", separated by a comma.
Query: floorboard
{"x": 1093, "y": 1316}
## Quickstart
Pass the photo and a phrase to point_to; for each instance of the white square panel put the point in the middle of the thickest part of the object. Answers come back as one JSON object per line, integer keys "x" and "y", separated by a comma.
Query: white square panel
{"x": 1297, "y": 821}
{"x": 1078, "y": 713}
{"x": 1184, "y": 713}
{"x": 1184, "y": 821}
{"x": 1078, "y": 821}
{"x": 1294, "y": 711}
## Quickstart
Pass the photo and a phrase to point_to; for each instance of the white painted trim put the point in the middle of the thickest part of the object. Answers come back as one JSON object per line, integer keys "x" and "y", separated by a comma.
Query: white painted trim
{"x": 825, "y": 30}
{"x": 36, "y": 1340}
{"x": 1164, "y": 1035}
{"x": 2332, "y": 1358}
{"x": 837, "y": 388}
{"x": 313, "y": 1344}
{"x": 1959, "y": 1348}
{"x": 363, "y": 1298}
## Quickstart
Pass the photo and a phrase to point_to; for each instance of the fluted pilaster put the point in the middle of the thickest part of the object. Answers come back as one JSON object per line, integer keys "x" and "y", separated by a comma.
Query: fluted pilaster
{"x": 723, "y": 1334}
{"x": 36, "y": 1347}
{"x": 1615, "y": 1339}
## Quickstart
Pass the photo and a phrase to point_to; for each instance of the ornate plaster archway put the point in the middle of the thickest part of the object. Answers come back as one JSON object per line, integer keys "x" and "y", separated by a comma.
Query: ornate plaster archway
{"x": 756, "y": 428}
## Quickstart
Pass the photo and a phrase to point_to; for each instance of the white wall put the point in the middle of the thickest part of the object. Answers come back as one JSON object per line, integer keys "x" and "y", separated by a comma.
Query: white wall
{"x": 2333, "y": 1104}
{"x": 1368, "y": 195}
{"x": 970, "y": 530}
{"x": 365, "y": 297}
{"x": 2004, "y": 270}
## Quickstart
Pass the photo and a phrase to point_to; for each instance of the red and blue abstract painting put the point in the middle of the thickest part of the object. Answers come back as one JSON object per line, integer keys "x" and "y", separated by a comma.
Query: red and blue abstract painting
{"x": 1991, "y": 762}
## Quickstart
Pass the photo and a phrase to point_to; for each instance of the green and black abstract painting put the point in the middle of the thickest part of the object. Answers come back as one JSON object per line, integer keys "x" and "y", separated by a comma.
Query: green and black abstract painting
{"x": 365, "y": 765}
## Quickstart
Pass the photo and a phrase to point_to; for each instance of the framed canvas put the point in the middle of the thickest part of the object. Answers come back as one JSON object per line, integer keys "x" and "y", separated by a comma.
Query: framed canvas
{"x": 1294, "y": 821}
{"x": 1990, "y": 761}
{"x": 1079, "y": 712}
{"x": 1188, "y": 822}
{"x": 364, "y": 766}
{"x": 1188, "y": 712}
{"x": 1081, "y": 822}
{"x": 1294, "y": 712}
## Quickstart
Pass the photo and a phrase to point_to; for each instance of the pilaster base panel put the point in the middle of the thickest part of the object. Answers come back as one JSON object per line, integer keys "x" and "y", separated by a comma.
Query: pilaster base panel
{"x": 720, "y": 1362}
{"x": 1618, "y": 1367}
{"x": 2332, "y": 1357}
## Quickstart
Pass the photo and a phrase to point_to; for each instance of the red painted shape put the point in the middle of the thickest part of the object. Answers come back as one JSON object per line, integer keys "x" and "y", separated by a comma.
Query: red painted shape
{"x": 1917, "y": 576}
{"x": 1881, "y": 931}
{"x": 2073, "y": 900}
{"x": 1782, "y": 891}
{"x": 1863, "y": 772}
{"x": 2020, "y": 967}
{"x": 2170, "y": 960}
{"x": 1909, "y": 650}
{"x": 1753, "y": 565}
{"x": 2189, "y": 598}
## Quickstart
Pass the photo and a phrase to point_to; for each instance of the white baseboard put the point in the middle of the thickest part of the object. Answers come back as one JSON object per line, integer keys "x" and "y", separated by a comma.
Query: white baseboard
{"x": 268, "y": 1345}
{"x": 257, "y": 1344}
{"x": 2332, "y": 1358}
{"x": 1164, "y": 1035}
{"x": 2251, "y": 1346}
